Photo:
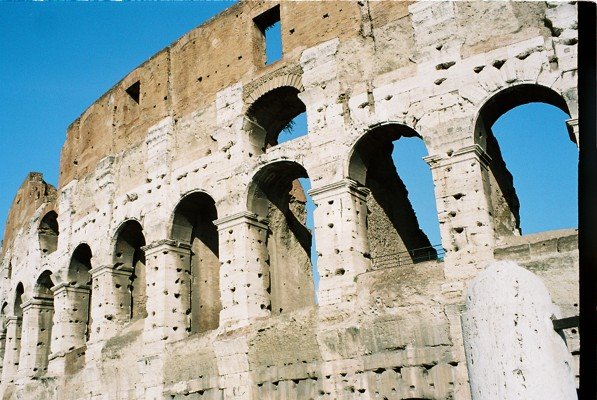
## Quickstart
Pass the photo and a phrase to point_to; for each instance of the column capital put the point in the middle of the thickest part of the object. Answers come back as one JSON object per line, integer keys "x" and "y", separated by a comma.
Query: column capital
{"x": 37, "y": 304}
{"x": 342, "y": 186}
{"x": 13, "y": 319}
{"x": 573, "y": 131}
{"x": 166, "y": 245}
{"x": 464, "y": 153}
{"x": 67, "y": 287}
{"x": 108, "y": 269}
{"x": 243, "y": 217}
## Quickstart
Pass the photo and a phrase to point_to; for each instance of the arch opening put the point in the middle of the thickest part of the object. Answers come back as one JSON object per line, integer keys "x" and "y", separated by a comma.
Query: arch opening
{"x": 2, "y": 334}
{"x": 193, "y": 223}
{"x": 45, "y": 315}
{"x": 393, "y": 230}
{"x": 521, "y": 129}
{"x": 276, "y": 117}
{"x": 48, "y": 233}
{"x": 130, "y": 256}
{"x": 277, "y": 196}
{"x": 14, "y": 340}
{"x": 79, "y": 276}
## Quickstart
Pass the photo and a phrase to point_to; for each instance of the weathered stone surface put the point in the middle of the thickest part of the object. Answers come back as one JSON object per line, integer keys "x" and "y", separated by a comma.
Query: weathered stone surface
{"x": 508, "y": 326}
{"x": 176, "y": 243}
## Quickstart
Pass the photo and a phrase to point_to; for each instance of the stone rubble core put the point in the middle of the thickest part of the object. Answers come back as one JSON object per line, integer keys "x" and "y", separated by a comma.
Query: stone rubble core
{"x": 173, "y": 261}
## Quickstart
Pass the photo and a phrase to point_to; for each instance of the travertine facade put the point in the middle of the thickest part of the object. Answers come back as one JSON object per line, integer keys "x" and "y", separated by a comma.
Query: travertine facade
{"x": 173, "y": 260}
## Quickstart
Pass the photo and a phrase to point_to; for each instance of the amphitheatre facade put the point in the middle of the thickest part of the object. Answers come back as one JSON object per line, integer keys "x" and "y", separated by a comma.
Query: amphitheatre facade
{"x": 173, "y": 259}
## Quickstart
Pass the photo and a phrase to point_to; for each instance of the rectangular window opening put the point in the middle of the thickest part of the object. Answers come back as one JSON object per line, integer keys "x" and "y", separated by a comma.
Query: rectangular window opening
{"x": 269, "y": 25}
{"x": 134, "y": 91}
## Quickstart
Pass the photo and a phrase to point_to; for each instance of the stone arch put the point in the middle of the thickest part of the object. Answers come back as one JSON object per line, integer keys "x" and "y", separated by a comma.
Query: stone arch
{"x": 129, "y": 256}
{"x": 3, "y": 311}
{"x": 19, "y": 293}
{"x": 48, "y": 232}
{"x": 276, "y": 196}
{"x": 12, "y": 352}
{"x": 79, "y": 277}
{"x": 39, "y": 324}
{"x": 270, "y": 114}
{"x": 193, "y": 224}
{"x": 504, "y": 202}
{"x": 393, "y": 230}
{"x": 43, "y": 286}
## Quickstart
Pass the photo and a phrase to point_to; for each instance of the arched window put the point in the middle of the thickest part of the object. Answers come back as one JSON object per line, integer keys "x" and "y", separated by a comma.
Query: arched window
{"x": 276, "y": 194}
{"x": 48, "y": 233}
{"x": 275, "y": 117}
{"x": 523, "y": 131}
{"x": 129, "y": 256}
{"x": 393, "y": 231}
{"x": 193, "y": 224}
{"x": 2, "y": 334}
{"x": 80, "y": 278}
{"x": 14, "y": 337}
{"x": 44, "y": 308}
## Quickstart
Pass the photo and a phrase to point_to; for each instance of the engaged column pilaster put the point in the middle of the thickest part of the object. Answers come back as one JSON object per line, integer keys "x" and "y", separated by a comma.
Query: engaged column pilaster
{"x": 168, "y": 274}
{"x": 244, "y": 273}
{"x": 341, "y": 238}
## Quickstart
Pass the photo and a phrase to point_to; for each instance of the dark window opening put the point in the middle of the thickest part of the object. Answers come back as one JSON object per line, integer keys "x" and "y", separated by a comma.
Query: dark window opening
{"x": 135, "y": 91}
{"x": 279, "y": 195}
{"x": 269, "y": 25}
{"x": 79, "y": 276}
{"x": 276, "y": 117}
{"x": 194, "y": 224}
{"x": 129, "y": 254}
{"x": 48, "y": 233}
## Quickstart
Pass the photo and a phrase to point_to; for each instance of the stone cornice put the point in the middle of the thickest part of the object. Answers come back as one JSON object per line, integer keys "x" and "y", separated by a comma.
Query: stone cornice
{"x": 244, "y": 217}
{"x": 38, "y": 304}
{"x": 166, "y": 245}
{"x": 476, "y": 151}
{"x": 108, "y": 269}
{"x": 342, "y": 186}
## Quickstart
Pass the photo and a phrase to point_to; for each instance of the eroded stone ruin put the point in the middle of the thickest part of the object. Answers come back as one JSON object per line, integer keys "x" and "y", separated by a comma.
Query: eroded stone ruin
{"x": 173, "y": 261}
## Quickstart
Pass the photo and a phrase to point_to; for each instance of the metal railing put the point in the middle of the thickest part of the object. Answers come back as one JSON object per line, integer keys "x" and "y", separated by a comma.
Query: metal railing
{"x": 409, "y": 257}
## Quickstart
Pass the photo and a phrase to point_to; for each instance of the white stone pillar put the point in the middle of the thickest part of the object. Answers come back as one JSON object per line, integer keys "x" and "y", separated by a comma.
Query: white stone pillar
{"x": 244, "y": 274}
{"x": 37, "y": 335}
{"x": 341, "y": 237}
{"x": 464, "y": 209}
{"x": 168, "y": 266}
{"x": 111, "y": 301}
{"x": 10, "y": 364}
{"x": 512, "y": 349}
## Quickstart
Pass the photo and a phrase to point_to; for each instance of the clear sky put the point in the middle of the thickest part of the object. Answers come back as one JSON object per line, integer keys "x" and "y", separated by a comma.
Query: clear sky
{"x": 58, "y": 58}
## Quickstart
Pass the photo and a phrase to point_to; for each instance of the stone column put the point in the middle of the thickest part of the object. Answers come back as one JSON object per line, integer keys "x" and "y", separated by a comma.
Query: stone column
{"x": 168, "y": 290}
{"x": 341, "y": 237}
{"x": 70, "y": 329}
{"x": 464, "y": 209}
{"x": 512, "y": 349}
{"x": 244, "y": 274}
{"x": 37, "y": 335}
{"x": 10, "y": 364}
{"x": 111, "y": 301}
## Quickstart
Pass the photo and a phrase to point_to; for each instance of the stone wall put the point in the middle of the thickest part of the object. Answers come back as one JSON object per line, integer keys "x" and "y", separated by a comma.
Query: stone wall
{"x": 181, "y": 267}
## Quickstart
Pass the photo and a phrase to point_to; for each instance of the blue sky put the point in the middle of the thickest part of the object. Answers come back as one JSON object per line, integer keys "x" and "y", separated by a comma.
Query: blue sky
{"x": 57, "y": 58}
